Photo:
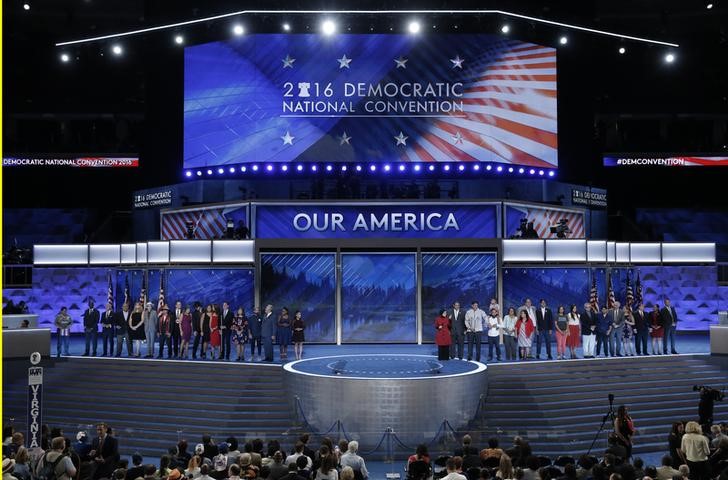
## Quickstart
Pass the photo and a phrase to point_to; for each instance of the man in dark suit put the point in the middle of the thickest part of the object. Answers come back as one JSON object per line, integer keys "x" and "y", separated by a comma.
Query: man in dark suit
{"x": 91, "y": 319}
{"x": 268, "y": 332}
{"x": 545, "y": 327}
{"x": 122, "y": 330}
{"x": 196, "y": 328}
{"x": 668, "y": 320}
{"x": 457, "y": 330}
{"x": 604, "y": 325}
{"x": 641, "y": 325}
{"x": 226, "y": 325}
{"x": 175, "y": 317}
{"x": 108, "y": 323}
{"x": 104, "y": 452}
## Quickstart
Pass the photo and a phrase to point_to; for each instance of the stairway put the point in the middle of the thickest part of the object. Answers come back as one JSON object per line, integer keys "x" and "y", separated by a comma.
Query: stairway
{"x": 559, "y": 406}
{"x": 151, "y": 404}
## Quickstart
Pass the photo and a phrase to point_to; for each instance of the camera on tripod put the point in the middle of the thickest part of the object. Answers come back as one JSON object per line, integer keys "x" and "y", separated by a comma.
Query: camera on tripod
{"x": 561, "y": 228}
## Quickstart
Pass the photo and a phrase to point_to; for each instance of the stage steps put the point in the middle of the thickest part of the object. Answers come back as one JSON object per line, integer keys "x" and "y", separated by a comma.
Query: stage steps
{"x": 151, "y": 404}
{"x": 559, "y": 405}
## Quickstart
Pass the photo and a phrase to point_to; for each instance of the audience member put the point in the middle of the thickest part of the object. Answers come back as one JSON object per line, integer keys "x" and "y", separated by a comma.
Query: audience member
{"x": 452, "y": 473}
{"x": 695, "y": 448}
{"x": 665, "y": 471}
{"x": 61, "y": 465}
{"x": 353, "y": 460}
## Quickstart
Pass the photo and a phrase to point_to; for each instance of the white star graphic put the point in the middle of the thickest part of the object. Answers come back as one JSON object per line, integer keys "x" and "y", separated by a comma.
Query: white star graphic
{"x": 288, "y": 61}
{"x": 287, "y": 138}
{"x": 457, "y": 138}
{"x": 344, "y": 139}
{"x": 457, "y": 62}
{"x": 344, "y": 62}
{"x": 401, "y": 139}
{"x": 401, "y": 62}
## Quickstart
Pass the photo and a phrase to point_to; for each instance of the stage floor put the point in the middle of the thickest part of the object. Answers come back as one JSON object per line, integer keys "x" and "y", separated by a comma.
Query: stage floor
{"x": 687, "y": 343}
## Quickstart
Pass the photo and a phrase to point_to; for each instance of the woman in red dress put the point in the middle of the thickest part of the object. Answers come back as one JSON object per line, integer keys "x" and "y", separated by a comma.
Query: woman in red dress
{"x": 656, "y": 330}
{"x": 442, "y": 335}
{"x": 215, "y": 340}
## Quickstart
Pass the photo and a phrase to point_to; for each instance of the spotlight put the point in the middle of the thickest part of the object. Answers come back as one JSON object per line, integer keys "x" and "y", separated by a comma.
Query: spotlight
{"x": 431, "y": 168}
{"x": 299, "y": 168}
{"x": 255, "y": 168}
{"x": 387, "y": 168}
{"x": 401, "y": 168}
{"x": 231, "y": 169}
{"x": 446, "y": 168}
{"x": 329, "y": 168}
{"x": 358, "y": 168}
{"x": 531, "y": 172}
{"x": 117, "y": 50}
{"x": 238, "y": 29}
{"x": 26, "y": 6}
{"x": 344, "y": 168}
{"x": 552, "y": 173}
{"x": 65, "y": 58}
{"x": 373, "y": 168}
{"x": 489, "y": 167}
{"x": 669, "y": 58}
{"x": 328, "y": 27}
{"x": 476, "y": 167}
{"x": 220, "y": 171}
{"x": 520, "y": 170}
{"x": 461, "y": 167}
{"x": 622, "y": 50}
{"x": 417, "y": 168}
{"x": 286, "y": 27}
{"x": 314, "y": 168}
{"x": 284, "y": 168}
{"x": 269, "y": 168}
{"x": 540, "y": 172}
{"x": 179, "y": 39}
{"x": 414, "y": 27}
{"x": 563, "y": 40}
{"x": 708, "y": 5}
{"x": 199, "y": 173}
{"x": 500, "y": 169}
{"x": 505, "y": 28}
{"x": 209, "y": 172}
{"x": 510, "y": 169}
{"x": 243, "y": 169}
{"x": 188, "y": 174}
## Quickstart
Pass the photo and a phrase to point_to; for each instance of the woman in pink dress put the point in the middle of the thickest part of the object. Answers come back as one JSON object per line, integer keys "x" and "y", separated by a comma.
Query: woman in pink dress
{"x": 215, "y": 339}
{"x": 185, "y": 327}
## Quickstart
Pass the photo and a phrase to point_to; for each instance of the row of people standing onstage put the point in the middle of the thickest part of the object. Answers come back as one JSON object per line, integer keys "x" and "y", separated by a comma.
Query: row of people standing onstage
{"x": 617, "y": 331}
{"x": 182, "y": 329}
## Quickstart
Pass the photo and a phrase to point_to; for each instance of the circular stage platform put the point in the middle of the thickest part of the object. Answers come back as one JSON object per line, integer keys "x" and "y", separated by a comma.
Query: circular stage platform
{"x": 369, "y": 393}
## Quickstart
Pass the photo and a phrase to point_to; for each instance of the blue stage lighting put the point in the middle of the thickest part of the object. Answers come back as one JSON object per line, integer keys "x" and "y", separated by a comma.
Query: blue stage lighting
{"x": 199, "y": 173}
{"x": 188, "y": 174}
{"x": 329, "y": 168}
{"x": 446, "y": 167}
{"x": 531, "y": 172}
{"x": 220, "y": 171}
{"x": 401, "y": 168}
{"x": 358, "y": 168}
{"x": 476, "y": 167}
{"x": 314, "y": 168}
{"x": 284, "y": 168}
{"x": 255, "y": 168}
{"x": 299, "y": 168}
{"x": 552, "y": 173}
{"x": 231, "y": 169}
{"x": 510, "y": 169}
{"x": 387, "y": 168}
{"x": 209, "y": 172}
{"x": 373, "y": 168}
{"x": 461, "y": 167}
{"x": 243, "y": 169}
{"x": 540, "y": 172}
{"x": 417, "y": 168}
{"x": 431, "y": 168}
{"x": 269, "y": 168}
{"x": 344, "y": 168}
{"x": 520, "y": 170}
{"x": 500, "y": 169}
{"x": 489, "y": 167}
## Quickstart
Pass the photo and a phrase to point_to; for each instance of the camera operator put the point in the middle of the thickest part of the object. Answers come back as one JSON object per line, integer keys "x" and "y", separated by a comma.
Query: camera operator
{"x": 708, "y": 397}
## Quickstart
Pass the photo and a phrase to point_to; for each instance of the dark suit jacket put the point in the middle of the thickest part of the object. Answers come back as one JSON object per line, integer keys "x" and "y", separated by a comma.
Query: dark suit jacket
{"x": 110, "y": 320}
{"x": 196, "y": 325}
{"x": 641, "y": 321}
{"x": 226, "y": 320}
{"x": 457, "y": 325}
{"x": 109, "y": 451}
{"x": 666, "y": 318}
{"x": 173, "y": 323}
{"x": 588, "y": 320}
{"x": 91, "y": 319}
{"x": 121, "y": 324}
{"x": 544, "y": 322}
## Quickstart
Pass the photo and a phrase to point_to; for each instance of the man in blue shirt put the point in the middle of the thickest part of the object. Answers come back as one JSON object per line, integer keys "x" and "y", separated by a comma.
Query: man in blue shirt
{"x": 603, "y": 324}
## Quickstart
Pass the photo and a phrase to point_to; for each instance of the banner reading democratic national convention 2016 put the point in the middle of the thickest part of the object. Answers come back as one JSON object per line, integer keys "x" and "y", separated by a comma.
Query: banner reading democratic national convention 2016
{"x": 441, "y": 220}
{"x": 370, "y": 98}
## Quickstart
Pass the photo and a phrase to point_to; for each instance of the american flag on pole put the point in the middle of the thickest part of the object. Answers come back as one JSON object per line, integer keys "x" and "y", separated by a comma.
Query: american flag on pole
{"x": 610, "y": 291}
{"x": 630, "y": 295}
{"x": 638, "y": 285}
{"x": 143, "y": 291}
{"x": 126, "y": 289}
{"x": 160, "y": 303}
{"x": 593, "y": 295}
{"x": 110, "y": 291}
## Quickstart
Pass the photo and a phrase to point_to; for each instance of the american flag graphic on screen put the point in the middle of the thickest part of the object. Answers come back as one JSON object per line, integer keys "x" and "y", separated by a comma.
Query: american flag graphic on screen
{"x": 370, "y": 98}
{"x": 110, "y": 292}
{"x": 126, "y": 289}
{"x": 638, "y": 285}
{"x": 208, "y": 224}
{"x": 160, "y": 302}
{"x": 593, "y": 295}
{"x": 629, "y": 297}
{"x": 610, "y": 292}
{"x": 143, "y": 291}
{"x": 543, "y": 219}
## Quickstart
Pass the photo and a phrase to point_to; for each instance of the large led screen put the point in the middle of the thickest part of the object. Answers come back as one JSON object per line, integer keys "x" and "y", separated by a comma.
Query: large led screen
{"x": 305, "y": 282}
{"x": 378, "y": 297}
{"x": 375, "y": 97}
{"x": 450, "y": 277}
{"x": 558, "y": 286}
